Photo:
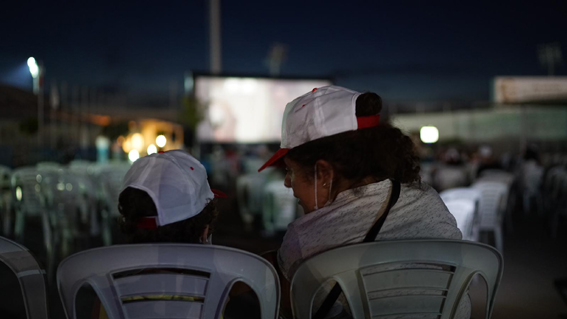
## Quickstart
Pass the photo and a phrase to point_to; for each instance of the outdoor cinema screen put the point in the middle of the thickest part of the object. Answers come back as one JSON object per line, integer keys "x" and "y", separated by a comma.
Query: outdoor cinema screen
{"x": 246, "y": 109}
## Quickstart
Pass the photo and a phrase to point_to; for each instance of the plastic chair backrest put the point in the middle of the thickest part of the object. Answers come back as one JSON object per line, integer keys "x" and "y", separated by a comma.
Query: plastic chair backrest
{"x": 29, "y": 274}
{"x": 464, "y": 212}
{"x": 280, "y": 207}
{"x": 493, "y": 197}
{"x": 5, "y": 175}
{"x": 375, "y": 285}
{"x": 460, "y": 193}
{"x": 204, "y": 272}
{"x": 26, "y": 186}
{"x": 110, "y": 178}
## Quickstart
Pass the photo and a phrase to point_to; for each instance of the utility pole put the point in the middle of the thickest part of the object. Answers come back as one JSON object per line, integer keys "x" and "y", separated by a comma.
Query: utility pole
{"x": 550, "y": 56}
{"x": 215, "y": 36}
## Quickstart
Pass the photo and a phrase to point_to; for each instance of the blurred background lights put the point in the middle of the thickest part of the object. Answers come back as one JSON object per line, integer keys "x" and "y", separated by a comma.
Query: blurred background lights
{"x": 34, "y": 68}
{"x": 133, "y": 155}
{"x": 161, "y": 140}
{"x": 19, "y": 193}
{"x": 429, "y": 134}
{"x": 138, "y": 142}
{"x": 152, "y": 149}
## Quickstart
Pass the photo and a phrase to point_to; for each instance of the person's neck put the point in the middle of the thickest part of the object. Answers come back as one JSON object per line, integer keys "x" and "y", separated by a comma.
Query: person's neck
{"x": 349, "y": 184}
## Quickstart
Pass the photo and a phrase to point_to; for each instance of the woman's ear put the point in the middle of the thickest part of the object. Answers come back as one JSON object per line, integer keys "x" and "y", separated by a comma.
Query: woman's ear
{"x": 325, "y": 171}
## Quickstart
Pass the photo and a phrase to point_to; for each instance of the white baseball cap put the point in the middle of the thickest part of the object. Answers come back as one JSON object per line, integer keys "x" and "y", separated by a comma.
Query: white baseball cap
{"x": 323, "y": 112}
{"x": 176, "y": 182}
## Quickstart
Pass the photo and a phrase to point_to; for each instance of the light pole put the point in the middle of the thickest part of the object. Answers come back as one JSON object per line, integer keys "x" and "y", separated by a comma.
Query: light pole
{"x": 36, "y": 71}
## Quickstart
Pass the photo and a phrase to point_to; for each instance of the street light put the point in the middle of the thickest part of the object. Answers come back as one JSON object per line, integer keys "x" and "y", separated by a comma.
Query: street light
{"x": 36, "y": 72}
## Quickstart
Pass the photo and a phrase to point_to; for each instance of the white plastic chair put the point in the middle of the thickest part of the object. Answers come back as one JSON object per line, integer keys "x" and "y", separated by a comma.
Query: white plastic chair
{"x": 389, "y": 290}
{"x": 30, "y": 276}
{"x": 279, "y": 207}
{"x": 249, "y": 191}
{"x": 469, "y": 194}
{"x": 464, "y": 212}
{"x": 109, "y": 178}
{"x": 202, "y": 271}
{"x": 27, "y": 199}
{"x": 5, "y": 200}
{"x": 492, "y": 207}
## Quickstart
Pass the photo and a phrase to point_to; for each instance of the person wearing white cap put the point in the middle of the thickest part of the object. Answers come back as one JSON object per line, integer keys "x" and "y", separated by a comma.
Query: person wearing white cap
{"x": 166, "y": 198}
{"x": 348, "y": 170}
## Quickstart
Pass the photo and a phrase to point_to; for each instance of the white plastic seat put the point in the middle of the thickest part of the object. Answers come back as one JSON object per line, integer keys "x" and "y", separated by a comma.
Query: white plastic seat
{"x": 492, "y": 207}
{"x": 279, "y": 206}
{"x": 204, "y": 272}
{"x": 249, "y": 191}
{"x": 469, "y": 194}
{"x": 30, "y": 277}
{"x": 464, "y": 212}
{"x": 391, "y": 289}
{"x": 27, "y": 199}
{"x": 5, "y": 200}
{"x": 109, "y": 178}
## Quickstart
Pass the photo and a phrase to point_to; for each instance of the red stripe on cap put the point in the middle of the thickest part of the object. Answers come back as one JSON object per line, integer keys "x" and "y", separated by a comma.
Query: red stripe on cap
{"x": 276, "y": 157}
{"x": 218, "y": 194}
{"x": 147, "y": 223}
{"x": 368, "y": 121}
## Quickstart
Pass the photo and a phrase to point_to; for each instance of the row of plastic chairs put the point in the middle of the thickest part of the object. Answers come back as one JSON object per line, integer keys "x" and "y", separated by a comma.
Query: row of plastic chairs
{"x": 481, "y": 207}
{"x": 201, "y": 277}
{"x": 73, "y": 204}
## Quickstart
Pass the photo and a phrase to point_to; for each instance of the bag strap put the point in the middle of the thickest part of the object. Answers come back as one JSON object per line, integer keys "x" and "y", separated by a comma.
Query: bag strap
{"x": 370, "y": 236}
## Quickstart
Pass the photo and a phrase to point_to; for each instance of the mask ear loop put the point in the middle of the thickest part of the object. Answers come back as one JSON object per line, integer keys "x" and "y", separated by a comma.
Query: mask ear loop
{"x": 316, "y": 204}
{"x": 330, "y": 191}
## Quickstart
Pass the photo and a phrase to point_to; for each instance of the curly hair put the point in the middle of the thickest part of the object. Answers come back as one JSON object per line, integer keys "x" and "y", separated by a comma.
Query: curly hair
{"x": 135, "y": 204}
{"x": 382, "y": 152}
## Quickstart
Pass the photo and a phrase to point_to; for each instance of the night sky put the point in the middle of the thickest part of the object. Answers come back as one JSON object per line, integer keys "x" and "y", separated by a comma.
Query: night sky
{"x": 414, "y": 51}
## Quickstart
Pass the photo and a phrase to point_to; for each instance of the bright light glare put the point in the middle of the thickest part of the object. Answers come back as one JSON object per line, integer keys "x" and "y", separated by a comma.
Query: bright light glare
{"x": 34, "y": 68}
{"x": 133, "y": 155}
{"x": 429, "y": 134}
{"x": 19, "y": 193}
{"x": 161, "y": 141}
{"x": 138, "y": 142}
{"x": 152, "y": 149}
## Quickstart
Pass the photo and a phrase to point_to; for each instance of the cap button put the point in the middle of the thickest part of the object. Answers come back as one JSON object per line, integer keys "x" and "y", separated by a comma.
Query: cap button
{"x": 315, "y": 89}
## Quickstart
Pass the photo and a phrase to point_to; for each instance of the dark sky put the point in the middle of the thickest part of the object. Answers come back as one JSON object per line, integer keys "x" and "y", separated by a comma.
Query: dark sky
{"x": 418, "y": 50}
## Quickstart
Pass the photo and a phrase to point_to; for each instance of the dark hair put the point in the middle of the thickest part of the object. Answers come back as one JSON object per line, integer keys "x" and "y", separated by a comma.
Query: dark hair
{"x": 134, "y": 204}
{"x": 382, "y": 152}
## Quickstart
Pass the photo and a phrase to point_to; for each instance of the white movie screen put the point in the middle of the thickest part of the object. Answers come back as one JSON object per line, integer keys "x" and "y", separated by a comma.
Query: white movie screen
{"x": 245, "y": 109}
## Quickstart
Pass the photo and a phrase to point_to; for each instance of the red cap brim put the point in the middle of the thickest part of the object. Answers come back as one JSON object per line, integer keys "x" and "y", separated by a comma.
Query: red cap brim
{"x": 218, "y": 194}
{"x": 276, "y": 157}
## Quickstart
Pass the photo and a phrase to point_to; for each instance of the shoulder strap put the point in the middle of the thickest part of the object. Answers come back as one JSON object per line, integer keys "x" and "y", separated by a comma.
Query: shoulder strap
{"x": 370, "y": 236}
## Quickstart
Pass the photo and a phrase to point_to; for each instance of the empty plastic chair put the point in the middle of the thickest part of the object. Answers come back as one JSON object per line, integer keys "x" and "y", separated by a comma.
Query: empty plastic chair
{"x": 30, "y": 277}
{"x": 5, "y": 200}
{"x": 109, "y": 178}
{"x": 469, "y": 194}
{"x": 464, "y": 212}
{"x": 375, "y": 284}
{"x": 27, "y": 199}
{"x": 280, "y": 207}
{"x": 491, "y": 207}
{"x": 204, "y": 273}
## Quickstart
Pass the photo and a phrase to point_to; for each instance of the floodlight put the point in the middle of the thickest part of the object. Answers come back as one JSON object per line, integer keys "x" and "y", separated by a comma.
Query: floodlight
{"x": 429, "y": 134}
